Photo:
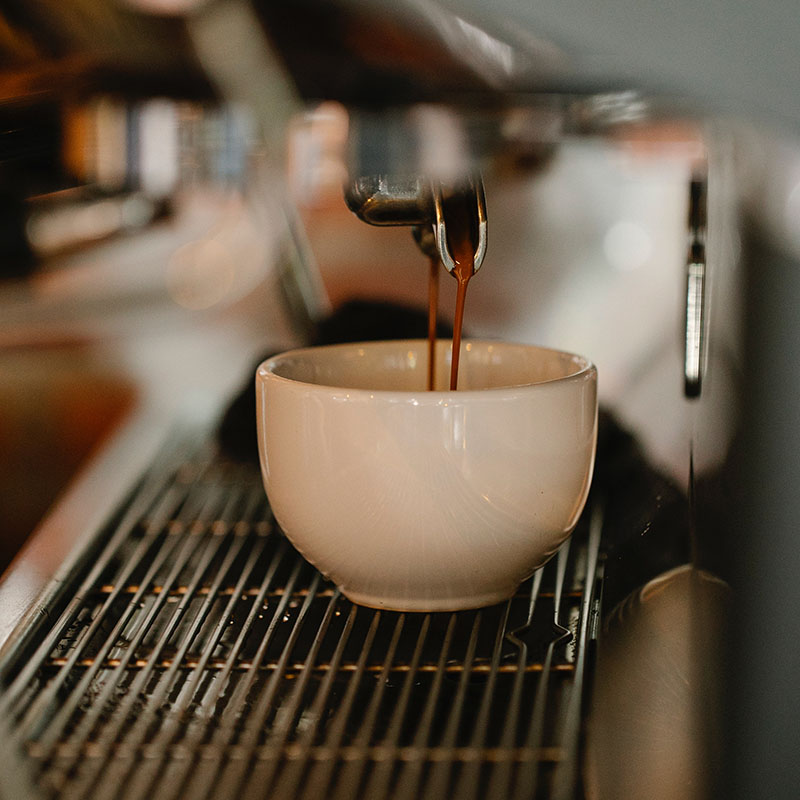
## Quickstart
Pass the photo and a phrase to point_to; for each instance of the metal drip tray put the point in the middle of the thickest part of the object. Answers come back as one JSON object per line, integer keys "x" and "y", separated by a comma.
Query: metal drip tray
{"x": 195, "y": 654}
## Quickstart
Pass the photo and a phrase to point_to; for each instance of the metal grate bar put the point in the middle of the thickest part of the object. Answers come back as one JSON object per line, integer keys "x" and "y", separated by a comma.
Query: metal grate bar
{"x": 246, "y": 665}
{"x": 169, "y": 728}
{"x": 114, "y": 771}
{"x": 262, "y": 529}
{"x": 49, "y": 699}
{"x": 235, "y": 775}
{"x": 49, "y": 737}
{"x": 378, "y": 785}
{"x": 528, "y": 777}
{"x": 294, "y": 773}
{"x": 352, "y": 773}
{"x": 15, "y": 698}
{"x": 440, "y": 772}
{"x": 200, "y": 658}
{"x": 148, "y": 665}
{"x": 319, "y": 780}
{"x": 469, "y": 781}
{"x": 284, "y": 721}
{"x": 566, "y": 773}
{"x": 178, "y": 770}
{"x": 161, "y": 481}
{"x": 411, "y": 776}
{"x": 207, "y": 772}
{"x": 157, "y": 701}
{"x": 500, "y": 781}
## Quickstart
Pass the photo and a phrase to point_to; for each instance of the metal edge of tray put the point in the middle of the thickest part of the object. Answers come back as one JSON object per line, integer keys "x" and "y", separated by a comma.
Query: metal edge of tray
{"x": 43, "y": 565}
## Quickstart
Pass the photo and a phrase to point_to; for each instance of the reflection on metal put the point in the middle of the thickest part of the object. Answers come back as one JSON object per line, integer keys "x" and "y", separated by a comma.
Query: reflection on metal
{"x": 656, "y": 716}
{"x": 390, "y": 199}
{"x": 693, "y": 357}
{"x": 474, "y": 192}
{"x": 695, "y": 290}
{"x": 193, "y": 653}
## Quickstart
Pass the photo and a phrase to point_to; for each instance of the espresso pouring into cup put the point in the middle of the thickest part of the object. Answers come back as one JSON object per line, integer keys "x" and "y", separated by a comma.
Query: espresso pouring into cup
{"x": 449, "y": 227}
{"x": 422, "y": 500}
{"x": 410, "y": 497}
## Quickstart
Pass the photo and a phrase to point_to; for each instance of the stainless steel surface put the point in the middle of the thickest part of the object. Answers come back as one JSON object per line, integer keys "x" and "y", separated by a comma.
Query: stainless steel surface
{"x": 418, "y": 201}
{"x": 475, "y": 191}
{"x": 192, "y": 653}
{"x": 655, "y": 721}
{"x": 693, "y": 360}
{"x": 762, "y": 722}
{"x": 390, "y": 200}
{"x": 695, "y": 302}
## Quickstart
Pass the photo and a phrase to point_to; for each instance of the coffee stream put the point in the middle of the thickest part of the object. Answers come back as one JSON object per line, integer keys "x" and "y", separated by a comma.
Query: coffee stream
{"x": 433, "y": 302}
{"x": 461, "y": 228}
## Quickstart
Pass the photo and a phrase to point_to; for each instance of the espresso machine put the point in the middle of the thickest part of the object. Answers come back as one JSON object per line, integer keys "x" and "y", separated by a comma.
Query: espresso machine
{"x": 239, "y": 177}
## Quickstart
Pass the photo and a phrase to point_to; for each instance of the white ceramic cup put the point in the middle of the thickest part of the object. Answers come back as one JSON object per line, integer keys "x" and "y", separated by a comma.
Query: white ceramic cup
{"x": 426, "y": 501}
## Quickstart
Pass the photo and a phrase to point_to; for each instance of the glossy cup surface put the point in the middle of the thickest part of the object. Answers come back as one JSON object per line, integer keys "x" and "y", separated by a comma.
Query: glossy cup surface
{"x": 426, "y": 501}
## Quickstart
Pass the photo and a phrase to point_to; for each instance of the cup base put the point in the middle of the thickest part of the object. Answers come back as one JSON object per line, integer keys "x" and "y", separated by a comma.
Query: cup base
{"x": 430, "y": 604}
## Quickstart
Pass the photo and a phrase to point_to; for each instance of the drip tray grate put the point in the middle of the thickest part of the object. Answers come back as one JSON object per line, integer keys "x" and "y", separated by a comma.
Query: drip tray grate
{"x": 195, "y": 654}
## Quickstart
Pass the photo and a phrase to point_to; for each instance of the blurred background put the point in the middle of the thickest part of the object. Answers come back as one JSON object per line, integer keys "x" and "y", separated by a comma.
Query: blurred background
{"x": 172, "y": 210}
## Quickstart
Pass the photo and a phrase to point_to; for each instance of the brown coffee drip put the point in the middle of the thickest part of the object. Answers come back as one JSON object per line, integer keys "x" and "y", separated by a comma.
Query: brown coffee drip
{"x": 461, "y": 235}
{"x": 433, "y": 302}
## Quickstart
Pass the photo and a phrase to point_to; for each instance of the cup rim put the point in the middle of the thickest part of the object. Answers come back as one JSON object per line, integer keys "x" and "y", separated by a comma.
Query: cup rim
{"x": 266, "y": 368}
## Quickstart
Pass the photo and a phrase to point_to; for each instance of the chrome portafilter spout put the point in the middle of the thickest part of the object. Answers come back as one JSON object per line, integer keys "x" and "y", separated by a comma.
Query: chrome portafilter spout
{"x": 427, "y": 207}
{"x": 476, "y": 198}
{"x": 421, "y": 204}
{"x": 390, "y": 200}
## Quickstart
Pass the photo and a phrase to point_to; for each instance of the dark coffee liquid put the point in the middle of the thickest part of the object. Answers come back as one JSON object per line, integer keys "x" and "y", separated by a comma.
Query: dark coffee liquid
{"x": 461, "y": 235}
{"x": 463, "y": 272}
{"x": 433, "y": 302}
